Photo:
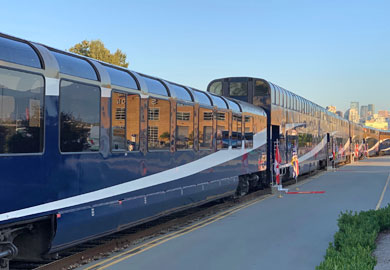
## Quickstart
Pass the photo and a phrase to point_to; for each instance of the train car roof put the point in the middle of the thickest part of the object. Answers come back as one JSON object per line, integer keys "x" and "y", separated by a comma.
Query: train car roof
{"x": 250, "y": 108}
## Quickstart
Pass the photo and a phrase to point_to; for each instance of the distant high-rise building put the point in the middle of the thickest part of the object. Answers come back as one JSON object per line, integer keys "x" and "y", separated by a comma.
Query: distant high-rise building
{"x": 371, "y": 109}
{"x": 340, "y": 113}
{"x": 331, "y": 108}
{"x": 363, "y": 113}
{"x": 384, "y": 114}
{"x": 355, "y": 105}
{"x": 353, "y": 115}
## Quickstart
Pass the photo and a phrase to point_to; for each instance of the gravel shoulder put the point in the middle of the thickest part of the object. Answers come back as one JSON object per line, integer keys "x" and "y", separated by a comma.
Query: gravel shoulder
{"x": 382, "y": 252}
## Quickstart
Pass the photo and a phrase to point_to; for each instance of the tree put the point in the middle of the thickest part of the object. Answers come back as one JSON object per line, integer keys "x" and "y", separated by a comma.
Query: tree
{"x": 95, "y": 49}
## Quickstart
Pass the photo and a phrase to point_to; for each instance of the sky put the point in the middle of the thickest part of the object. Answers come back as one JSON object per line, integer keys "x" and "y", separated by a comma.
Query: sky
{"x": 330, "y": 52}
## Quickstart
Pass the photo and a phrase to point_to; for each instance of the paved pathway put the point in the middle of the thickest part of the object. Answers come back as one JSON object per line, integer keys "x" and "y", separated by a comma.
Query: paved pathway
{"x": 292, "y": 232}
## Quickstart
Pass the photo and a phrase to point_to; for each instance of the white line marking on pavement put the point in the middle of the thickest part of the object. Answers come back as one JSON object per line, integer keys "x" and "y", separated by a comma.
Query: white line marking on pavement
{"x": 383, "y": 193}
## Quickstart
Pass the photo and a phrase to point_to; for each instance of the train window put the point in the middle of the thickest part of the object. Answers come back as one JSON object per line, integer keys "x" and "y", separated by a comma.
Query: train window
{"x": 238, "y": 89}
{"x": 293, "y": 102}
{"x": 125, "y": 121}
{"x": 294, "y": 97}
{"x": 236, "y": 131}
{"x": 181, "y": 92}
{"x": 21, "y": 112}
{"x": 18, "y": 53}
{"x": 121, "y": 78}
{"x": 298, "y": 104}
{"x": 159, "y": 118}
{"x": 216, "y": 88}
{"x": 219, "y": 102}
{"x": 155, "y": 86}
{"x": 288, "y": 100}
{"x": 261, "y": 88}
{"x": 132, "y": 122}
{"x": 272, "y": 94}
{"x": 79, "y": 117}
{"x": 75, "y": 66}
{"x": 233, "y": 105}
{"x": 222, "y": 130}
{"x": 184, "y": 127}
{"x": 248, "y": 127}
{"x": 277, "y": 96}
{"x": 282, "y": 95}
{"x": 118, "y": 118}
{"x": 205, "y": 128}
{"x": 201, "y": 97}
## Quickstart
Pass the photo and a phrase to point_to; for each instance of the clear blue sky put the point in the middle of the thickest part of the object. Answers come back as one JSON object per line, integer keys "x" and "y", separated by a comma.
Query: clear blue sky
{"x": 331, "y": 52}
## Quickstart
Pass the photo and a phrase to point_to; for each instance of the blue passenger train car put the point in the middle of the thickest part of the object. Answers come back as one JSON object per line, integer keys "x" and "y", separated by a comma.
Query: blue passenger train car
{"x": 88, "y": 148}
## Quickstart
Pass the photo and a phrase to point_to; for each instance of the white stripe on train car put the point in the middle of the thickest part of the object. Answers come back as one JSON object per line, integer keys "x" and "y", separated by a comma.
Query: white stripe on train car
{"x": 374, "y": 147}
{"x": 314, "y": 151}
{"x": 188, "y": 169}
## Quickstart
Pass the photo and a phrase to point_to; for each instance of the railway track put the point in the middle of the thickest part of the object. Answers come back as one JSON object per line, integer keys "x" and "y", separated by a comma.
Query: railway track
{"x": 116, "y": 242}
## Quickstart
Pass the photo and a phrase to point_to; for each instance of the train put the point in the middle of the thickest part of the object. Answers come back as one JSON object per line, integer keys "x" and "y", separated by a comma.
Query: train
{"x": 298, "y": 126}
{"x": 88, "y": 148}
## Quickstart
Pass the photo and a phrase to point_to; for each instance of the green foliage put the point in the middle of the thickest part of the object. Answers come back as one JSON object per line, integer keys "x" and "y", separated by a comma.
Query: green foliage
{"x": 355, "y": 240}
{"x": 96, "y": 49}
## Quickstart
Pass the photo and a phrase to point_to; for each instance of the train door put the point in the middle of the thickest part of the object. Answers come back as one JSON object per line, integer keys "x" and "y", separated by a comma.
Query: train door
{"x": 291, "y": 144}
{"x": 330, "y": 149}
{"x": 275, "y": 135}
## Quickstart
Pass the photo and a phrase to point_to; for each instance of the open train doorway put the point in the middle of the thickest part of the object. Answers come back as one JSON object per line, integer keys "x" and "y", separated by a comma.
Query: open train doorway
{"x": 275, "y": 136}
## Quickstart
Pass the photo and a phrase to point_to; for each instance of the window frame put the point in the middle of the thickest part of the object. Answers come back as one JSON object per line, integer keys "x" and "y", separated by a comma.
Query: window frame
{"x": 273, "y": 94}
{"x": 214, "y": 82}
{"x": 139, "y": 124}
{"x": 226, "y": 111}
{"x": 59, "y": 116}
{"x": 240, "y": 115}
{"x": 251, "y": 117}
{"x": 43, "y": 114}
{"x": 193, "y": 125}
{"x": 170, "y": 126}
{"x": 212, "y": 126}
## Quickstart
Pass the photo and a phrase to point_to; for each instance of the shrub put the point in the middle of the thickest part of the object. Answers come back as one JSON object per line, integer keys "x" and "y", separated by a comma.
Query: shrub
{"x": 355, "y": 241}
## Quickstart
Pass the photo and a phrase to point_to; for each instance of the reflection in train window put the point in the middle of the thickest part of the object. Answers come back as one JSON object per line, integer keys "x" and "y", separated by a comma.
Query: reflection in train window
{"x": 184, "y": 127}
{"x": 205, "y": 128}
{"x": 261, "y": 88}
{"x": 159, "y": 116}
{"x": 222, "y": 130}
{"x": 132, "y": 122}
{"x": 79, "y": 117}
{"x": 216, "y": 88}
{"x": 248, "y": 131}
{"x": 118, "y": 113}
{"x": 238, "y": 89}
{"x": 125, "y": 122}
{"x": 236, "y": 131}
{"x": 21, "y": 112}
{"x": 272, "y": 94}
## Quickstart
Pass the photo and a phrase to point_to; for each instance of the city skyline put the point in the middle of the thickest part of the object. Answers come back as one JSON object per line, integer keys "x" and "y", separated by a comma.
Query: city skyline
{"x": 365, "y": 114}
